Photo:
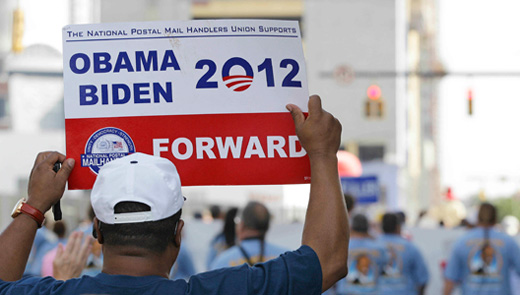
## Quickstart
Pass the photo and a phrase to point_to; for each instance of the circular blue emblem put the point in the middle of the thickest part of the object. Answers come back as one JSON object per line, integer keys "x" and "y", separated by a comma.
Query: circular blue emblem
{"x": 105, "y": 145}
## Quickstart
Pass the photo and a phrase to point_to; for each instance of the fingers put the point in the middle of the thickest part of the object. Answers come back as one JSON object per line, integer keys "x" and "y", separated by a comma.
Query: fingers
{"x": 73, "y": 244}
{"x": 48, "y": 159}
{"x": 296, "y": 114}
{"x": 41, "y": 157}
{"x": 66, "y": 169}
{"x": 59, "y": 251}
{"x": 52, "y": 157}
{"x": 86, "y": 248}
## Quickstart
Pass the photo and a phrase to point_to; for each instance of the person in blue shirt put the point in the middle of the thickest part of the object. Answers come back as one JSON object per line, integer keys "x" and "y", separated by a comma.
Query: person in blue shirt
{"x": 251, "y": 232}
{"x": 44, "y": 241}
{"x": 224, "y": 240}
{"x": 183, "y": 268}
{"x": 366, "y": 260}
{"x": 405, "y": 273}
{"x": 138, "y": 204}
{"x": 482, "y": 259}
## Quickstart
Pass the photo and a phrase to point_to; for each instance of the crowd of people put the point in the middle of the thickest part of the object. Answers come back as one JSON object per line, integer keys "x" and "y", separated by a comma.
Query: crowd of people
{"x": 131, "y": 242}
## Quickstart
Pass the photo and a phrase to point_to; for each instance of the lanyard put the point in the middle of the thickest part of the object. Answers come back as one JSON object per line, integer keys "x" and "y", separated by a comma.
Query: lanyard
{"x": 246, "y": 256}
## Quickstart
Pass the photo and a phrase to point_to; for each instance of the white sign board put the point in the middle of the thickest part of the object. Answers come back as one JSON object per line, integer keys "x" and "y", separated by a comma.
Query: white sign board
{"x": 208, "y": 95}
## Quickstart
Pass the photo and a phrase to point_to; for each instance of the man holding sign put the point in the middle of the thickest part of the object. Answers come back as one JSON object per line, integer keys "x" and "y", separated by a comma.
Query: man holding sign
{"x": 134, "y": 266}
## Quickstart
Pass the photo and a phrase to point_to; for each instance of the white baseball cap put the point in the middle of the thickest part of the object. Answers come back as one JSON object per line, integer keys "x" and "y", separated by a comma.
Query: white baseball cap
{"x": 138, "y": 177}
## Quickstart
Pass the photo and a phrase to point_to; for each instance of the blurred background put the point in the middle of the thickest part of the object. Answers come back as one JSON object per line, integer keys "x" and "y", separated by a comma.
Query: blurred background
{"x": 426, "y": 91}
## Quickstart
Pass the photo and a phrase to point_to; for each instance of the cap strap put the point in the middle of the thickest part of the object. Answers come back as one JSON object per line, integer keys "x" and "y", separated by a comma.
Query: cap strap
{"x": 132, "y": 217}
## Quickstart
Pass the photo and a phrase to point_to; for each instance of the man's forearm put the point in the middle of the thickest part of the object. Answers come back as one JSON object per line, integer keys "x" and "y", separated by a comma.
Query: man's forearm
{"x": 45, "y": 188}
{"x": 16, "y": 243}
{"x": 326, "y": 228}
{"x": 326, "y": 223}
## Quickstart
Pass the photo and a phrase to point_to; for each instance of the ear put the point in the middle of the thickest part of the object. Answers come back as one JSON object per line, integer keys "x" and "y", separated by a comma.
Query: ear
{"x": 97, "y": 231}
{"x": 178, "y": 233}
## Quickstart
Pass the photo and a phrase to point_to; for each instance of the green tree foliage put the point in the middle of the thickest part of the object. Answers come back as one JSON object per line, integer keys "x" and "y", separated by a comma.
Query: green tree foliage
{"x": 507, "y": 206}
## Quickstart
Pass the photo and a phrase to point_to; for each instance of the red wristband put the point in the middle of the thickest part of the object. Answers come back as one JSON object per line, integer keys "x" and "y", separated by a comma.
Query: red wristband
{"x": 35, "y": 214}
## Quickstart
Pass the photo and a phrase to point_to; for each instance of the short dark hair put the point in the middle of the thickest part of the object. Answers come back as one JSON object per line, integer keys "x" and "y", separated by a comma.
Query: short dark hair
{"x": 151, "y": 235}
{"x": 256, "y": 216}
{"x": 487, "y": 214}
{"x": 215, "y": 211}
{"x": 360, "y": 223}
{"x": 390, "y": 223}
{"x": 59, "y": 229}
{"x": 350, "y": 201}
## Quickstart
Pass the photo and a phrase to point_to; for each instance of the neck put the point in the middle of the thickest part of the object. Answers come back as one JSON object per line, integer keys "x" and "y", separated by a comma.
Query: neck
{"x": 485, "y": 225}
{"x": 134, "y": 261}
{"x": 356, "y": 234}
{"x": 249, "y": 233}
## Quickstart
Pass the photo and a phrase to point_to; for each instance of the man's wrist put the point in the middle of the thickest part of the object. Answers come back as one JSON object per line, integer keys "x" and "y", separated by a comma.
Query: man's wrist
{"x": 23, "y": 208}
{"x": 323, "y": 158}
{"x": 38, "y": 205}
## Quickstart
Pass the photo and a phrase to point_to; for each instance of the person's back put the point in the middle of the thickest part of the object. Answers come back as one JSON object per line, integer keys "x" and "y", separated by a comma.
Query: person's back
{"x": 483, "y": 268}
{"x": 405, "y": 272}
{"x": 252, "y": 248}
{"x": 366, "y": 260}
{"x": 249, "y": 252}
{"x": 224, "y": 240}
{"x": 221, "y": 281}
{"x": 481, "y": 260}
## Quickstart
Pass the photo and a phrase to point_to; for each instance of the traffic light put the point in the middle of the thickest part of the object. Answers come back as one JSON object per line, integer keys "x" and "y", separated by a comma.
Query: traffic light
{"x": 470, "y": 102}
{"x": 374, "y": 105}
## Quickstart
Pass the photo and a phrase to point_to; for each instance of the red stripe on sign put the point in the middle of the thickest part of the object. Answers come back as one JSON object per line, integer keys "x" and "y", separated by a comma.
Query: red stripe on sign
{"x": 229, "y": 85}
{"x": 236, "y": 76}
{"x": 214, "y": 149}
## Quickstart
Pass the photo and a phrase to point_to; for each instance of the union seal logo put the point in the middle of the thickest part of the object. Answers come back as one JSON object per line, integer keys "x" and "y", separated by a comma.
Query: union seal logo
{"x": 105, "y": 145}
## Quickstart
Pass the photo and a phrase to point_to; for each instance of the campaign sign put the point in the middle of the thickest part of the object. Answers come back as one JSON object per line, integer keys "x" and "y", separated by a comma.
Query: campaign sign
{"x": 365, "y": 189}
{"x": 209, "y": 95}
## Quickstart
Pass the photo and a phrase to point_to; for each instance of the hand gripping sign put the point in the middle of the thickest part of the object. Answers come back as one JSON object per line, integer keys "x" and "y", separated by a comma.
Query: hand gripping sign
{"x": 208, "y": 95}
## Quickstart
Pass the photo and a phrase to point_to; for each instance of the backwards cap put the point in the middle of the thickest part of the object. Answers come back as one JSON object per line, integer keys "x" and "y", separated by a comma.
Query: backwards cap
{"x": 138, "y": 177}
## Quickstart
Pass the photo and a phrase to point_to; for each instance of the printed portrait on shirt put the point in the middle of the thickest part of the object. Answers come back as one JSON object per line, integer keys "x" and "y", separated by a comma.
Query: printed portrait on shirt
{"x": 362, "y": 271}
{"x": 484, "y": 259}
{"x": 394, "y": 266}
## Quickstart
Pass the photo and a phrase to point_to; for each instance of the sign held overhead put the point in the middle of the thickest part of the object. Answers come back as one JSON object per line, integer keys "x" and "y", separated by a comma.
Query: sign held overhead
{"x": 208, "y": 95}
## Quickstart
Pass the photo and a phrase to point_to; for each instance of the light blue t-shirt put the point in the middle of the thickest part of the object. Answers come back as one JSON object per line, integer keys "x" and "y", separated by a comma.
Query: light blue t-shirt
{"x": 366, "y": 259}
{"x": 234, "y": 257}
{"x": 482, "y": 267}
{"x": 44, "y": 241}
{"x": 183, "y": 268}
{"x": 405, "y": 269}
{"x": 217, "y": 246}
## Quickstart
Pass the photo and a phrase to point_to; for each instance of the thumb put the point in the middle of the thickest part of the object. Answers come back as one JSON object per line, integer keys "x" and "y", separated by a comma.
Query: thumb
{"x": 314, "y": 105}
{"x": 296, "y": 114}
{"x": 66, "y": 169}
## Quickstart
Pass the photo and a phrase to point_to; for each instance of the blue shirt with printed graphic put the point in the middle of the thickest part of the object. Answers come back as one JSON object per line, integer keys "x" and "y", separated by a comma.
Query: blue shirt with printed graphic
{"x": 405, "y": 269}
{"x": 481, "y": 262}
{"x": 366, "y": 259}
{"x": 234, "y": 256}
{"x": 296, "y": 272}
